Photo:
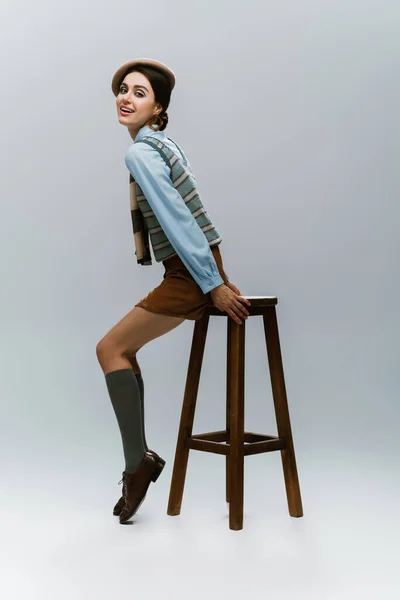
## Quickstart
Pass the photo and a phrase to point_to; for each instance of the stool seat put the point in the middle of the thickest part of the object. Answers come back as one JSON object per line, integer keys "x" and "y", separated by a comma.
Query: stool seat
{"x": 257, "y": 302}
{"x": 234, "y": 442}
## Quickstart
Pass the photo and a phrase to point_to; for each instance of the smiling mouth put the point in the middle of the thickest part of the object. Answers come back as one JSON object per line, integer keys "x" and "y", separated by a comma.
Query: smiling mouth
{"x": 126, "y": 112}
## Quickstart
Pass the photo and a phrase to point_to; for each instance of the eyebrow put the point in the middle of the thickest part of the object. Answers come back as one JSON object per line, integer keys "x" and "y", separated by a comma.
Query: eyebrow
{"x": 135, "y": 86}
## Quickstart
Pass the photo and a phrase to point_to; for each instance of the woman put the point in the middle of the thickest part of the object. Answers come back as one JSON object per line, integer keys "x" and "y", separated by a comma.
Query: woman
{"x": 166, "y": 204}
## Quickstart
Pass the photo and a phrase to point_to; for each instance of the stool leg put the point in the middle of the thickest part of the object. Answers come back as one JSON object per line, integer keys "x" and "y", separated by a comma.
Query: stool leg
{"x": 282, "y": 412}
{"x": 187, "y": 415}
{"x": 228, "y": 406}
{"x": 236, "y": 345}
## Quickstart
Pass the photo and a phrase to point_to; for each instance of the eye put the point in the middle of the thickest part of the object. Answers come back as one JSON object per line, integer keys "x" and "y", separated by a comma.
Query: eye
{"x": 123, "y": 90}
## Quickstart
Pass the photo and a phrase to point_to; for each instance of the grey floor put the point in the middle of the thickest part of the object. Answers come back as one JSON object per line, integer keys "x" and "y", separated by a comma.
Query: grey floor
{"x": 60, "y": 540}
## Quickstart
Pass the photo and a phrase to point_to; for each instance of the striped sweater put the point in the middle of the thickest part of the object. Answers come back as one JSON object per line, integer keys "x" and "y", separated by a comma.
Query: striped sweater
{"x": 173, "y": 225}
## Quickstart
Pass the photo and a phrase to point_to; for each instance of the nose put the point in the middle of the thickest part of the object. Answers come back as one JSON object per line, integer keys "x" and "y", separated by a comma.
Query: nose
{"x": 125, "y": 100}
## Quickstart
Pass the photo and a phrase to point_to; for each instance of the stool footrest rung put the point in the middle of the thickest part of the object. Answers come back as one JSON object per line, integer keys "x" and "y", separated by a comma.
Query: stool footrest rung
{"x": 254, "y": 443}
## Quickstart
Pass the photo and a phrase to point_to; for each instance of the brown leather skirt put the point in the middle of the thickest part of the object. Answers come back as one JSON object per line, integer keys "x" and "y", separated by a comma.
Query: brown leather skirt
{"x": 179, "y": 295}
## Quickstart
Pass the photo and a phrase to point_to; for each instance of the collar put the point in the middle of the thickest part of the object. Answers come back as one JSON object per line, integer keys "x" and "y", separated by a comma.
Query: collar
{"x": 147, "y": 130}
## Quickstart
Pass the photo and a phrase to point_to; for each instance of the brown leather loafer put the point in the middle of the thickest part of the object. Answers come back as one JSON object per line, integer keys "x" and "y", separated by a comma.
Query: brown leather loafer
{"x": 120, "y": 504}
{"x": 137, "y": 483}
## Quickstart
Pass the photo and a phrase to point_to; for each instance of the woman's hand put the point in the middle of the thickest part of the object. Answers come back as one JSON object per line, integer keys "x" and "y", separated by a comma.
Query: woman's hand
{"x": 226, "y": 297}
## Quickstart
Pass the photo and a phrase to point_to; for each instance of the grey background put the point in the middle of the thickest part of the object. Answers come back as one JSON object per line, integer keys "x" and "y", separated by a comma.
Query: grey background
{"x": 288, "y": 113}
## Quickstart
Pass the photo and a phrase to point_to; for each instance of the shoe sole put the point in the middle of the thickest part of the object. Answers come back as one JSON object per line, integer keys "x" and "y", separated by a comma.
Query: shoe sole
{"x": 156, "y": 474}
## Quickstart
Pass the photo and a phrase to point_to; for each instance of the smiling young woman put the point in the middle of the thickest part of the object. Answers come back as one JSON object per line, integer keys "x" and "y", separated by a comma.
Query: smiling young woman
{"x": 165, "y": 205}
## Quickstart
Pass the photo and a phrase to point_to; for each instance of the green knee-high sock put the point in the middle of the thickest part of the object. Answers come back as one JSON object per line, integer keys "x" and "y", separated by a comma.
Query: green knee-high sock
{"x": 124, "y": 392}
{"x": 139, "y": 379}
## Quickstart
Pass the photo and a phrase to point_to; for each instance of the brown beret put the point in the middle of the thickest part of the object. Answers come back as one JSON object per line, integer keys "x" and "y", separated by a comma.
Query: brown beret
{"x": 147, "y": 62}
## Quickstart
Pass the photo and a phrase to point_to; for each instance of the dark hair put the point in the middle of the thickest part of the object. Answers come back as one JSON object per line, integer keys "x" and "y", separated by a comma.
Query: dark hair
{"x": 161, "y": 89}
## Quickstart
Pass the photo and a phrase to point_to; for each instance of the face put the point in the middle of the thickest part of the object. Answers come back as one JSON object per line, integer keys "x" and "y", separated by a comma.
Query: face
{"x": 136, "y": 94}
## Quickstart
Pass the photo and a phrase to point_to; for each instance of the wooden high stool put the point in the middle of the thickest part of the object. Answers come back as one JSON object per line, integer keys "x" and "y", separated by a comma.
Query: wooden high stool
{"x": 234, "y": 442}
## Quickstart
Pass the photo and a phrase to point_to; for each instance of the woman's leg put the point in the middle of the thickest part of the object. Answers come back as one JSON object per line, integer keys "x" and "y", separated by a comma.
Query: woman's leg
{"x": 116, "y": 353}
{"x": 138, "y": 372}
{"x": 118, "y": 347}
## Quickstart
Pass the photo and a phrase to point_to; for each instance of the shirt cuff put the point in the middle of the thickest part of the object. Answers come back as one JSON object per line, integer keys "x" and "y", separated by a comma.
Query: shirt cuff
{"x": 213, "y": 283}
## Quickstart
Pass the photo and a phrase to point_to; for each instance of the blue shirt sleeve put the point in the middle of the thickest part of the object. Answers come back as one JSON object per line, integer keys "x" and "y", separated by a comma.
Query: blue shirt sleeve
{"x": 153, "y": 176}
